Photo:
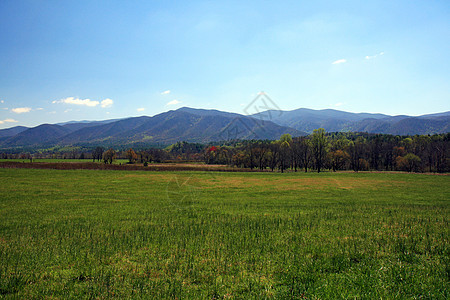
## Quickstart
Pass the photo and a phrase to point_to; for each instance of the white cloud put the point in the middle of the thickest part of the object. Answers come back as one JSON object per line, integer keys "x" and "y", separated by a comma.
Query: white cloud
{"x": 68, "y": 110}
{"x": 77, "y": 101}
{"x": 339, "y": 104}
{"x": 374, "y": 56}
{"x": 165, "y": 92}
{"x": 39, "y": 108}
{"x": 8, "y": 121}
{"x": 339, "y": 61}
{"x": 173, "y": 102}
{"x": 2, "y": 101}
{"x": 141, "y": 109}
{"x": 86, "y": 102}
{"x": 107, "y": 103}
{"x": 21, "y": 110}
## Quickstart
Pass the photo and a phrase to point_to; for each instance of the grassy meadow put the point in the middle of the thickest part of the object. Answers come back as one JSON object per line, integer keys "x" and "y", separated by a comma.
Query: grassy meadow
{"x": 211, "y": 235}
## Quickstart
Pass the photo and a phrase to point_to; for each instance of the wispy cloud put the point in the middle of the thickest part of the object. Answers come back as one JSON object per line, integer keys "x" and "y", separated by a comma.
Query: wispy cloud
{"x": 1, "y": 101}
{"x": 140, "y": 109}
{"x": 8, "y": 121}
{"x": 338, "y": 104}
{"x": 21, "y": 110}
{"x": 173, "y": 102}
{"x": 107, "y": 103}
{"x": 374, "y": 56}
{"x": 68, "y": 110}
{"x": 339, "y": 61}
{"x": 78, "y": 101}
{"x": 86, "y": 102}
{"x": 39, "y": 108}
{"x": 165, "y": 92}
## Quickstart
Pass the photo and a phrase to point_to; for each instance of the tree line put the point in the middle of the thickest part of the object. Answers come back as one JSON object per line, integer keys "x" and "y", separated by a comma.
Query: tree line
{"x": 338, "y": 151}
{"x": 316, "y": 152}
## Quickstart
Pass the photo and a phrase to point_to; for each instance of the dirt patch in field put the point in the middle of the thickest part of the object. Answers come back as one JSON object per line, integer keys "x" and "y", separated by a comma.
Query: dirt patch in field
{"x": 294, "y": 184}
{"x": 152, "y": 177}
{"x": 124, "y": 167}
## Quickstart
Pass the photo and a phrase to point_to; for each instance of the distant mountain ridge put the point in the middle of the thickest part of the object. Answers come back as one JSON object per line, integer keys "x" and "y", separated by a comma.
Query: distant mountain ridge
{"x": 340, "y": 121}
{"x": 12, "y": 131}
{"x": 41, "y": 134}
{"x": 184, "y": 124}
{"x": 202, "y": 125}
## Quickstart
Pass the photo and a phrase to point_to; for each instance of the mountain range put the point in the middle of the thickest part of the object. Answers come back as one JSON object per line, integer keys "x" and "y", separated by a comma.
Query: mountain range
{"x": 340, "y": 121}
{"x": 200, "y": 125}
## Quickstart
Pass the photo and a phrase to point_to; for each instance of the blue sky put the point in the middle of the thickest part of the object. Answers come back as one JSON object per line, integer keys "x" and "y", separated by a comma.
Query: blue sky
{"x": 95, "y": 60}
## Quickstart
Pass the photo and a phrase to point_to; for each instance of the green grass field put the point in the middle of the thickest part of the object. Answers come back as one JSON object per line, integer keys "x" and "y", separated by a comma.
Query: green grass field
{"x": 102, "y": 234}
